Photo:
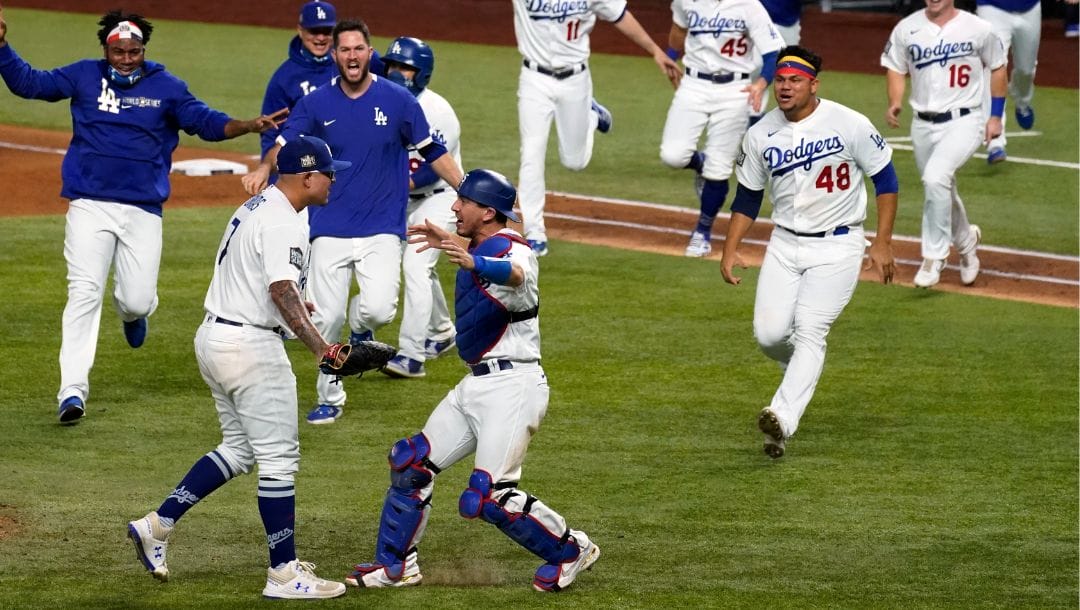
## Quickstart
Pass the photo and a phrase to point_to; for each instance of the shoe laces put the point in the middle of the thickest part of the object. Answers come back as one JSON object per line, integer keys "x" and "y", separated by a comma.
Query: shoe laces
{"x": 928, "y": 265}
{"x": 304, "y": 568}
{"x": 697, "y": 240}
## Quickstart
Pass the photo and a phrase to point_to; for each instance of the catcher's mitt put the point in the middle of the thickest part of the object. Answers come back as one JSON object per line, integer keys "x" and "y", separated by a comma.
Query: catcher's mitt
{"x": 344, "y": 360}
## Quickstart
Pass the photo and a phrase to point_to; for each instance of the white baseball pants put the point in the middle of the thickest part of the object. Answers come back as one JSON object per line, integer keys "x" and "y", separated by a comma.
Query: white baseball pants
{"x": 97, "y": 235}
{"x": 254, "y": 389}
{"x": 568, "y": 102}
{"x": 376, "y": 263}
{"x": 941, "y": 149}
{"x": 719, "y": 110}
{"x": 805, "y": 283}
{"x": 1020, "y": 32}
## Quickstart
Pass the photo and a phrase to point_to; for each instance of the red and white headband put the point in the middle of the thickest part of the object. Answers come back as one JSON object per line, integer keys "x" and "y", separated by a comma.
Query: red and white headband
{"x": 124, "y": 29}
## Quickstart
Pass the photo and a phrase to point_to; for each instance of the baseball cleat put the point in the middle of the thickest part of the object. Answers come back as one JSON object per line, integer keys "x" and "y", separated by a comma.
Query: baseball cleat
{"x": 603, "y": 123}
{"x": 403, "y": 367}
{"x": 1025, "y": 117}
{"x": 775, "y": 441}
{"x": 297, "y": 580}
{"x": 324, "y": 414}
{"x": 135, "y": 332}
{"x": 929, "y": 273}
{"x": 356, "y": 338}
{"x": 151, "y": 541}
{"x": 539, "y": 247}
{"x": 434, "y": 349}
{"x": 552, "y": 577}
{"x": 71, "y": 410}
{"x": 995, "y": 156}
{"x": 374, "y": 576}
{"x": 700, "y": 245}
{"x": 1072, "y": 30}
{"x": 969, "y": 260}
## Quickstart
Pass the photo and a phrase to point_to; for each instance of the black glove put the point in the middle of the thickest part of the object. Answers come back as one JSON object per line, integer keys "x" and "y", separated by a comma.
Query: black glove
{"x": 344, "y": 360}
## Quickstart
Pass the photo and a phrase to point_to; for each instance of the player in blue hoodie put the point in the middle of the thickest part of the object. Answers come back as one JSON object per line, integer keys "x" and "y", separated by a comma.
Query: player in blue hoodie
{"x": 126, "y": 114}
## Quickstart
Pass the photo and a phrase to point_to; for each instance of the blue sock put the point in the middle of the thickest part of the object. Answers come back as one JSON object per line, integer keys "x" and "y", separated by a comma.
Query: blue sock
{"x": 697, "y": 161}
{"x": 206, "y": 475}
{"x": 277, "y": 507}
{"x": 712, "y": 199}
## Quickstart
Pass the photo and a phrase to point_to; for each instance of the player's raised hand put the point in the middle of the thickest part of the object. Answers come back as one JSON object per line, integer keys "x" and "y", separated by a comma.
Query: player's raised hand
{"x": 892, "y": 115}
{"x": 269, "y": 121}
{"x": 880, "y": 257}
{"x": 755, "y": 92}
{"x": 256, "y": 180}
{"x": 428, "y": 234}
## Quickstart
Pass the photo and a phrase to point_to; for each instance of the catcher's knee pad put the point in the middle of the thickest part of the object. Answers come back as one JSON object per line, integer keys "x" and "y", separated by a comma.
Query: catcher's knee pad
{"x": 522, "y": 517}
{"x": 407, "y": 504}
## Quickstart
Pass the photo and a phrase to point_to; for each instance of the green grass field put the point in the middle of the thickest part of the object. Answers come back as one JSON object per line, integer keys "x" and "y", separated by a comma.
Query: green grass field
{"x": 936, "y": 466}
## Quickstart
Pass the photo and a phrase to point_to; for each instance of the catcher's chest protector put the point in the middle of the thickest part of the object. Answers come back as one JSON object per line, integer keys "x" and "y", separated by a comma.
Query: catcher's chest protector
{"x": 481, "y": 318}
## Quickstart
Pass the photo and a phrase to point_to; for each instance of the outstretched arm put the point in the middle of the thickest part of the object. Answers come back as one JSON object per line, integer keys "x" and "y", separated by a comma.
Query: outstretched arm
{"x": 630, "y": 28}
{"x": 236, "y": 127}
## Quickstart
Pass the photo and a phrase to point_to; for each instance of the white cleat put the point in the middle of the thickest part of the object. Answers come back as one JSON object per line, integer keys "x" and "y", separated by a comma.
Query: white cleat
{"x": 297, "y": 580}
{"x": 775, "y": 441}
{"x": 553, "y": 578}
{"x": 699, "y": 245}
{"x": 151, "y": 540}
{"x": 969, "y": 261}
{"x": 929, "y": 273}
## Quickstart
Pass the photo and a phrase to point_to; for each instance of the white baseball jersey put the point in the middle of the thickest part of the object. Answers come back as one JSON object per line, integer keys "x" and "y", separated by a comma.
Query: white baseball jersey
{"x": 555, "y": 33}
{"x": 815, "y": 167}
{"x": 445, "y": 129}
{"x": 521, "y": 341}
{"x": 945, "y": 63}
{"x": 722, "y": 35}
{"x": 266, "y": 242}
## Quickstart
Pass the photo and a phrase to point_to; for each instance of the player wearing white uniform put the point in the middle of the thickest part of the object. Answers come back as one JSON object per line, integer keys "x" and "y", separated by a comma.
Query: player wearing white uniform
{"x": 945, "y": 51}
{"x": 493, "y": 412}
{"x": 1018, "y": 23}
{"x": 426, "y": 328}
{"x": 720, "y": 39}
{"x": 553, "y": 38}
{"x": 813, "y": 155}
{"x": 253, "y": 296}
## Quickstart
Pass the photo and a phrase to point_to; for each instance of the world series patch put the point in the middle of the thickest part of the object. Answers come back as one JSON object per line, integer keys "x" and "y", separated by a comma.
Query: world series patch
{"x": 296, "y": 258}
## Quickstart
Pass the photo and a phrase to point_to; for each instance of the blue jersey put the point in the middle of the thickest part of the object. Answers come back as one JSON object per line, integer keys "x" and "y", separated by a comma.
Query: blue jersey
{"x": 1012, "y": 6}
{"x": 784, "y": 12}
{"x": 122, "y": 136}
{"x": 374, "y": 133}
{"x": 298, "y": 76}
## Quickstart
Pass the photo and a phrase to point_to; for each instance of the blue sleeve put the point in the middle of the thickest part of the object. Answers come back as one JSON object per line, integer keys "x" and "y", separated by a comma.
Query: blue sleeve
{"x": 376, "y": 65}
{"x": 747, "y": 202}
{"x": 275, "y": 99}
{"x": 768, "y": 67}
{"x": 886, "y": 181}
{"x": 198, "y": 119}
{"x": 424, "y": 175}
{"x": 299, "y": 120}
{"x": 26, "y": 82}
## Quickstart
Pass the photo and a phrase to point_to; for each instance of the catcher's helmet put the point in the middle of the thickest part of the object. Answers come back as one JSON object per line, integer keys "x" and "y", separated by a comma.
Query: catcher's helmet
{"x": 416, "y": 54}
{"x": 490, "y": 189}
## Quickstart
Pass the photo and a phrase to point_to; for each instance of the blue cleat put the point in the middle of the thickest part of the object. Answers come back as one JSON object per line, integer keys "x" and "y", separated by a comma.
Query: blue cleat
{"x": 324, "y": 414}
{"x": 135, "y": 332}
{"x": 356, "y": 338}
{"x": 995, "y": 156}
{"x": 1025, "y": 117}
{"x": 603, "y": 124}
{"x": 71, "y": 410}
{"x": 434, "y": 349}
{"x": 539, "y": 247}
{"x": 403, "y": 367}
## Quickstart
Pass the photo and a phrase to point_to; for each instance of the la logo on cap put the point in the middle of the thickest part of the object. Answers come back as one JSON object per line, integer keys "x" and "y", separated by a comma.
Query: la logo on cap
{"x": 397, "y": 48}
{"x": 320, "y": 13}
{"x": 307, "y": 161}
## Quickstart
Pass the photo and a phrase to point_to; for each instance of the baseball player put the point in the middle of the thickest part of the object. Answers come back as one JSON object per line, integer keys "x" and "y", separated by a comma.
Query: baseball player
{"x": 253, "y": 295}
{"x": 945, "y": 51}
{"x": 126, "y": 114}
{"x": 492, "y": 412}
{"x": 373, "y": 123}
{"x": 813, "y": 155}
{"x": 426, "y": 328}
{"x": 555, "y": 84}
{"x": 720, "y": 39}
{"x": 785, "y": 15}
{"x": 1018, "y": 23}
{"x": 308, "y": 66}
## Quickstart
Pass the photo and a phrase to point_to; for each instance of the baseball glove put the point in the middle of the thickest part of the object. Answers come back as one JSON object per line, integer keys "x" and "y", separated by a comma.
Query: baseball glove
{"x": 345, "y": 360}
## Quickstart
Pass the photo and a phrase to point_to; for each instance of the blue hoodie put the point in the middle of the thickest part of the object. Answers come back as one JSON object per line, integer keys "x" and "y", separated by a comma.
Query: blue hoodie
{"x": 297, "y": 76}
{"x": 122, "y": 136}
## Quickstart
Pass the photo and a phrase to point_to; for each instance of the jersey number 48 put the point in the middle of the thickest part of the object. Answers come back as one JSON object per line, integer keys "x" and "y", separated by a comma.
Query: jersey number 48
{"x": 828, "y": 179}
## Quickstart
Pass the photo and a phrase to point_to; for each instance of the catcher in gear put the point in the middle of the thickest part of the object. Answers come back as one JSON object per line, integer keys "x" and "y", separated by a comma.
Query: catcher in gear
{"x": 253, "y": 298}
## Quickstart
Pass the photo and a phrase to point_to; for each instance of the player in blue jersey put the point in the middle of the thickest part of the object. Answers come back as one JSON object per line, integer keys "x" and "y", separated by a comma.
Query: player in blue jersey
{"x": 126, "y": 114}
{"x": 372, "y": 123}
{"x": 309, "y": 65}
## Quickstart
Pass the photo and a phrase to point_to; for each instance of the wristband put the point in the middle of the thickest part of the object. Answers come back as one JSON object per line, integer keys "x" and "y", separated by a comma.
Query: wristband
{"x": 673, "y": 54}
{"x": 997, "y": 106}
{"x": 492, "y": 269}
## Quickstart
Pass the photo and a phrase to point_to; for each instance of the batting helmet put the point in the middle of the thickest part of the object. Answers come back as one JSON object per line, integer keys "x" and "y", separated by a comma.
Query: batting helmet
{"x": 416, "y": 54}
{"x": 490, "y": 189}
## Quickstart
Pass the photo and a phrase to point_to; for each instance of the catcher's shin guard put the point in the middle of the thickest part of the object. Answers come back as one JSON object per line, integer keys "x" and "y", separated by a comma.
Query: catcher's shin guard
{"x": 405, "y": 511}
{"x": 526, "y": 520}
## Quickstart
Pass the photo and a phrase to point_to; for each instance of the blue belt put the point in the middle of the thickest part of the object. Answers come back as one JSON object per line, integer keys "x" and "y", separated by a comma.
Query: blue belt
{"x": 943, "y": 117}
{"x": 841, "y": 230}
{"x": 426, "y": 195}
{"x": 479, "y": 370}
{"x": 719, "y": 79}
{"x": 220, "y": 320}
{"x": 556, "y": 74}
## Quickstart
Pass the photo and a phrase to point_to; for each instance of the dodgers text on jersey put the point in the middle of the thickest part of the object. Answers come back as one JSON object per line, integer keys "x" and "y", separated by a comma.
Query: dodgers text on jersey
{"x": 556, "y": 10}
{"x": 782, "y": 161}
{"x": 940, "y": 53}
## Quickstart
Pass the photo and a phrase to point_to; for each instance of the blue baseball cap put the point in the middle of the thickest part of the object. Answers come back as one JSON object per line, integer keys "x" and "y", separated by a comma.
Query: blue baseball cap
{"x": 318, "y": 15}
{"x": 308, "y": 154}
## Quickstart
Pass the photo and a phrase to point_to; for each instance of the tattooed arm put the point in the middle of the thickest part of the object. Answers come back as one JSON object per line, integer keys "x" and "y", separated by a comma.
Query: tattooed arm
{"x": 294, "y": 311}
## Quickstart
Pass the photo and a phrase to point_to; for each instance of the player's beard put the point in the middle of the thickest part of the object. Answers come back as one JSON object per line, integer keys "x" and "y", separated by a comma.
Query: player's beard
{"x": 342, "y": 70}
